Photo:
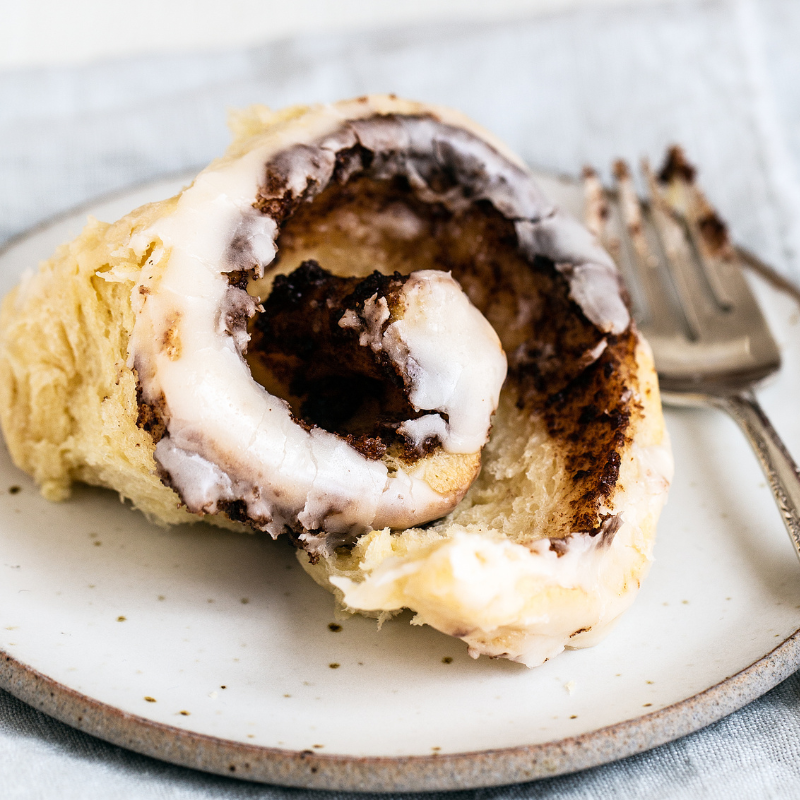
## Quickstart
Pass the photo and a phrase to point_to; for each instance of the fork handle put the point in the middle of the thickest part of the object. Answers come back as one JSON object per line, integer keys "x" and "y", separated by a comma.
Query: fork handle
{"x": 779, "y": 467}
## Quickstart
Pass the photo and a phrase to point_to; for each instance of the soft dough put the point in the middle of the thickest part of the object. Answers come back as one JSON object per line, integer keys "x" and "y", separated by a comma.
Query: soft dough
{"x": 549, "y": 544}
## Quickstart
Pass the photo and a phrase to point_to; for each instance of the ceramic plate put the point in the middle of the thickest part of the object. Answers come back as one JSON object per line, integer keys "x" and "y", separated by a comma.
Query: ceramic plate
{"x": 214, "y": 650}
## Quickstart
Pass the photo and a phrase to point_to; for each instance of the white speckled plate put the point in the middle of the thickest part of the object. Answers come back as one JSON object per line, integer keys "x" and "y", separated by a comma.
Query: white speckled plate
{"x": 214, "y": 650}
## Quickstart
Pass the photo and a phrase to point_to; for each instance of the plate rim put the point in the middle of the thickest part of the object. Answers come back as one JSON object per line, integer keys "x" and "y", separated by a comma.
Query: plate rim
{"x": 446, "y": 771}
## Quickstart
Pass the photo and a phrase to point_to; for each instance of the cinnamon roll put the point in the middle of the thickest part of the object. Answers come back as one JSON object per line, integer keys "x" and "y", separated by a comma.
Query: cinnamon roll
{"x": 366, "y": 328}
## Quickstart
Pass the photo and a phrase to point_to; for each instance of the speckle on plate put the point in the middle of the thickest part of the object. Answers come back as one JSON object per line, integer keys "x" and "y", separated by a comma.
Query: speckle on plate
{"x": 149, "y": 699}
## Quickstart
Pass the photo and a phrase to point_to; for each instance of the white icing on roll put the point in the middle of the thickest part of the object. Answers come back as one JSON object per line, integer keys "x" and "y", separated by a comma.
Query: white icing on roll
{"x": 230, "y": 440}
{"x": 450, "y": 353}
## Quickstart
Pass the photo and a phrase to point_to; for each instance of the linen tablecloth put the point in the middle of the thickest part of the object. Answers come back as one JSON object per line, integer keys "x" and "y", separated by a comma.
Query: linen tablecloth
{"x": 585, "y": 86}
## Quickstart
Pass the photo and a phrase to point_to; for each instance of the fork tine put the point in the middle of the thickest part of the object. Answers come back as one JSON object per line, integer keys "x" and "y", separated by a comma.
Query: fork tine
{"x": 601, "y": 216}
{"x": 680, "y": 258}
{"x": 632, "y": 213}
{"x": 597, "y": 209}
{"x": 641, "y": 255}
{"x": 708, "y": 234}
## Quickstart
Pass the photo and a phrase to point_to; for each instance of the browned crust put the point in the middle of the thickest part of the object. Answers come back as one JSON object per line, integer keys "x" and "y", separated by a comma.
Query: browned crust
{"x": 591, "y": 415}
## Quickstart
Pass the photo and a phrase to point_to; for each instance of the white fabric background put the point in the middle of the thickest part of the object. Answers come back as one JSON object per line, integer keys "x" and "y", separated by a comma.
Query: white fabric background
{"x": 721, "y": 77}
{"x": 44, "y": 32}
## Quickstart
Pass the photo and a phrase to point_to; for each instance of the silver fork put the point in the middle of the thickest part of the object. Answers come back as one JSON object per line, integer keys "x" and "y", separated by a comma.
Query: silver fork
{"x": 710, "y": 341}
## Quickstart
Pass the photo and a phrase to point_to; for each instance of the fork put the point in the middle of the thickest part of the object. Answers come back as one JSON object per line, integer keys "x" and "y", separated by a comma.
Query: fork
{"x": 710, "y": 341}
